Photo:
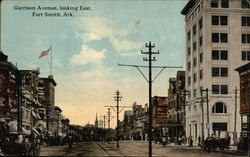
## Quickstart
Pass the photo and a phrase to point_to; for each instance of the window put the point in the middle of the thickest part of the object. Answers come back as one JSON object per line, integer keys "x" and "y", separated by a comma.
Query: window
{"x": 224, "y": 89}
{"x": 219, "y": 72}
{"x": 224, "y": 72}
{"x": 223, "y": 55}
{"x": 245, "y": 4}
{"x": 214, "y": 3}
{"x": 200, "y": 24}
{"x": 219, "y": 107}
{"x": 189, "y": 51}
{"x": 194, "y": 46}
{"x": 195, "y": 77}
{"x": 219, "y": 20}
{"x": 201, "y": 57}
{"x": 189, "y": 80}
{"x": 245, "y": 55}
{"x": 224, "y": 3}
{"x": 219, "y": 55}
{"x": 215, "y": 55}
{"x": 215, "y": 20}
{"x": 188, "y": 36}
{"x": 245, "y": 21}
{"x": 195, "y": 93}
{"x": 215, "y": 72}
{"x": 201, "y": 40}
{"x": 194, "y": 30}
{"x": 220, "y": 89}
{"x": 201, "y": 74}
{"x": 245, "y": 38}
{"x": 195, "y": 62}
{"x": 189, "y": 66}
{"x": 215, "y": 89}
{"x": 215, "y": 37}
{"x": 219, "y": 37}
{"x": 223, "y": 37}
{"x": 223, "y": 20}
{"x": 248, "y": 95}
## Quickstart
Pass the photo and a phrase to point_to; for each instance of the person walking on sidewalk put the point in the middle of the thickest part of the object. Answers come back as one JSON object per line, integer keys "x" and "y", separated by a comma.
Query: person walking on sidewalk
{"x": 164, "y": 141}
{"x": 199, "y": 140}
{"x": 190, "y": 140}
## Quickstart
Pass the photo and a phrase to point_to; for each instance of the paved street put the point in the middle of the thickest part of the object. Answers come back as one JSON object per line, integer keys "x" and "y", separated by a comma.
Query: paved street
{"x": 127, "y": 148}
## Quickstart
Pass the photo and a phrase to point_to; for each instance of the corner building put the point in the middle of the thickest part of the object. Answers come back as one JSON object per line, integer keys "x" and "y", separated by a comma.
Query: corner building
{"x": 217, "y": 42}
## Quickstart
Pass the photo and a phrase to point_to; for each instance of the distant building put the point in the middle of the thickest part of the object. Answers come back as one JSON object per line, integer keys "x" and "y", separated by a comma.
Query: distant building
{"x": 176, "y": 103}
{"x": 140, "y": 122}
{"x": 48, "y": 86}
{"x": 127, "y": 124}
{"x": 96, "y": 121}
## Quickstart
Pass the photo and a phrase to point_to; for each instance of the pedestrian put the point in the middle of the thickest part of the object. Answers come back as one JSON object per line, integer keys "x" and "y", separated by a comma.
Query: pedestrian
{"x": 199, "y": 140}
{"x": 190, "y": 141}
{"x": 164, "y": 141}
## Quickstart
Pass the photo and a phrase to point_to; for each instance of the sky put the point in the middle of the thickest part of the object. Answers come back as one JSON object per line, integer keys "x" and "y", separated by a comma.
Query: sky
{"x": 87, "y": 46}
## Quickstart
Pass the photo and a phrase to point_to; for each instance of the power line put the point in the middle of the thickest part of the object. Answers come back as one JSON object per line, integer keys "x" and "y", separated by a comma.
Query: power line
{"x": 149, "y": 80}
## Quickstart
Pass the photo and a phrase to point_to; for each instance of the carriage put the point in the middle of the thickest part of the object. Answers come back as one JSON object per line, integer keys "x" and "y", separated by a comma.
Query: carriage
{"x": 215, "y": 144}
{"x": 13, "y": 147}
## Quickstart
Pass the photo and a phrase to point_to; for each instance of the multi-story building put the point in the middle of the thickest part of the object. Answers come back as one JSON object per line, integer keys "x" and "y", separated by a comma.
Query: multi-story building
{"x": 10, "y": 97}
{"x": 159, "y": 115}
{"x": 217, "y": 41}
{"x": 140, "y": 122}
{"x": 244, "y": 72}
{"x": 48, "y": 96}
{"x": 176, "y": 105}
{"x": 30, "y": 103}
{"x": 127, "y": 124}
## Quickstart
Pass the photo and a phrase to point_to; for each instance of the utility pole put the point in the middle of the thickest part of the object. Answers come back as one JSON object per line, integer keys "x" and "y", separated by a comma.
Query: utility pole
{"x": 117, "y": 98}
{"x": 109, "y": 113}
{"x": 208, "y": 126}
{"x": 235, "y": 113}
{"x": 202, "y": 116}
{"x": 185, "y": 93}
{"x": 104, "y": 131}
{"x": 150, "y": 81}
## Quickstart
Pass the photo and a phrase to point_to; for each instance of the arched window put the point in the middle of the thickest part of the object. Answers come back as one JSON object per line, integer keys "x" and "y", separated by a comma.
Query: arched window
{"x": 219, "y": 107}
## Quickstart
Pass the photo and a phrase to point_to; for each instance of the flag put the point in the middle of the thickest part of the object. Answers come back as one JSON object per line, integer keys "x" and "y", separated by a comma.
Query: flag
{"x": 44, "y": 53}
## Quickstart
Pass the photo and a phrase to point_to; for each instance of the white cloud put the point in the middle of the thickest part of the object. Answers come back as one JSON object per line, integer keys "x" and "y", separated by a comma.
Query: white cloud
{"x": 124, "y": 45}
{"x": 57, "y": 63}
{"x": 87, "y": 55}
{"x": 98, "y": 28}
